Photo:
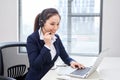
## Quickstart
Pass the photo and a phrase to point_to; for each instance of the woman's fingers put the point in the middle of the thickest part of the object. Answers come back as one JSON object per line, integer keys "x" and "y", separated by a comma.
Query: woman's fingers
{"x": 77, "y": 65}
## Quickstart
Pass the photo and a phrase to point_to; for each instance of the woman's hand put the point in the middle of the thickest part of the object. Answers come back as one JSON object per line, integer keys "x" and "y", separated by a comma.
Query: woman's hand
{"x": 75, "y": 64}
{"x": 47, "y": 38}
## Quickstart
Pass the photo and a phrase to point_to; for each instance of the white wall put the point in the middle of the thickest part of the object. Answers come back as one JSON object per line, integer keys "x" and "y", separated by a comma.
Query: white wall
{"x": 111, "y": 26}
{"x": 8, "y": 20}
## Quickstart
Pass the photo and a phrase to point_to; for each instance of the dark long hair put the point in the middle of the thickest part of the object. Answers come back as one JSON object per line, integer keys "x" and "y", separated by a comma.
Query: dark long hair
{"x": 43, "y": 16}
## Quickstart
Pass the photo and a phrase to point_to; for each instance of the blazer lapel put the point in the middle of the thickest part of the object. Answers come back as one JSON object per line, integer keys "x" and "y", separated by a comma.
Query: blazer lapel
{"x": 39, "y": 42}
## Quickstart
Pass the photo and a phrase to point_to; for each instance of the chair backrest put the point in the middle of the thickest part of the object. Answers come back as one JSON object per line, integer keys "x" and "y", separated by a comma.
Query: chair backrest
{"x": 16, "y": 71}
{"x": 1, "y": 63}
{"x": 4, "y": 45}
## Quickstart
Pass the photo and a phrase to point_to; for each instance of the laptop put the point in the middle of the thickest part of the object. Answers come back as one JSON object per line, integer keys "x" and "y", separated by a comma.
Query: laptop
{"x": 87, "y": 71}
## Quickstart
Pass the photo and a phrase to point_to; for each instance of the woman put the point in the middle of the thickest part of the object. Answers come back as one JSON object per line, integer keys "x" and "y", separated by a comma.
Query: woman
{"x": 44, "y": 46}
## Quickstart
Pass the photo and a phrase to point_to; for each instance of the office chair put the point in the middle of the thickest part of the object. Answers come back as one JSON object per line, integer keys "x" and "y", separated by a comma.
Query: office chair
{"x": 1, "y": 69}
{"x": 17, "y": 71}
{"x": 1, "y": 63}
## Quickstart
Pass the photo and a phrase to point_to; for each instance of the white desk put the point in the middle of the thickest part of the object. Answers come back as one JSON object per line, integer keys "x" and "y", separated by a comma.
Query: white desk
{"x": 109, "y": 69}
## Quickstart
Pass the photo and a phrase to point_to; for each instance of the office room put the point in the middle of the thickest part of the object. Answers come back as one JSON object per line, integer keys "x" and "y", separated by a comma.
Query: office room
{"x": 107, "y": 36}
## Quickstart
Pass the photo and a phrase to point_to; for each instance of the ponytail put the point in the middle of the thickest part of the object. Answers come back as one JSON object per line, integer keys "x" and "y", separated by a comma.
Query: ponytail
{"x": 36, "y": 23}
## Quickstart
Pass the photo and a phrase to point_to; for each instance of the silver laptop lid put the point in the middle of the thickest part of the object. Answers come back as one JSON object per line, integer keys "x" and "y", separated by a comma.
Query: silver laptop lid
{"x": 102, "y": 54}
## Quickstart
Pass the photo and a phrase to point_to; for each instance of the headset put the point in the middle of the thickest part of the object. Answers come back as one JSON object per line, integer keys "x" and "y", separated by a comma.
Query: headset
{"x": 41, "y": 22}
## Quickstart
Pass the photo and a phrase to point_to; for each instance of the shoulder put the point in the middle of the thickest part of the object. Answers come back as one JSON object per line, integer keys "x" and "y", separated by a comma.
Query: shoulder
{"x": 33, "y": 36}
{"x": 58, "y": 38}
{"x": 56, "y": 35}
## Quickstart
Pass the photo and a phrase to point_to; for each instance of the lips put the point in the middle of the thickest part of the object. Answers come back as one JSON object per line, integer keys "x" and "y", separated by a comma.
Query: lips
{"x": 53, "y": 32}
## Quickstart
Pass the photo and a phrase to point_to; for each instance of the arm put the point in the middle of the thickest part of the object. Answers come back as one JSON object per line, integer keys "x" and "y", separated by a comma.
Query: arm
{"x": 63, "y": 54}
{"x": 37, "y": 57}
{"x": 65, "y": 57}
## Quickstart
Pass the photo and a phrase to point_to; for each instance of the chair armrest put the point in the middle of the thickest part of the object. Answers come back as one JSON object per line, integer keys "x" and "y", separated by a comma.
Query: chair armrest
{"x": 11, "y": 44}
{"x": 6, "y": 78}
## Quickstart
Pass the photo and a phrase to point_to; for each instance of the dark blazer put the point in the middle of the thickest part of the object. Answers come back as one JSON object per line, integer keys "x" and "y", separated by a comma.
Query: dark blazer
{"x": 40, "y": 58}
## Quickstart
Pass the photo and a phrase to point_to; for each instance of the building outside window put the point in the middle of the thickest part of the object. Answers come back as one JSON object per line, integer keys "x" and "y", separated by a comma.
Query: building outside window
{"x": 80, "y": 26}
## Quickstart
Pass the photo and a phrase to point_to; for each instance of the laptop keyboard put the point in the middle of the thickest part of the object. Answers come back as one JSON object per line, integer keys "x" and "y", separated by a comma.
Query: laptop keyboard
{"x": 81, "y": 71}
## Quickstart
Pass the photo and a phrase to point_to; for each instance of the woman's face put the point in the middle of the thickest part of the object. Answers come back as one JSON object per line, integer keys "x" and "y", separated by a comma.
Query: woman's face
{"x": 52, "y": 24}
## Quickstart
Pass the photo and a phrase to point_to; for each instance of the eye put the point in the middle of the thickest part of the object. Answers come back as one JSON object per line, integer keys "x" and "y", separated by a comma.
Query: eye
{"x": 52, "y": 24}
{"x": 58, "y": 24}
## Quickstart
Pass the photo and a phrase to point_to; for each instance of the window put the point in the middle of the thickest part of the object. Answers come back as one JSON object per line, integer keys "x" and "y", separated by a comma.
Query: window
{"x": 80, "y": 26}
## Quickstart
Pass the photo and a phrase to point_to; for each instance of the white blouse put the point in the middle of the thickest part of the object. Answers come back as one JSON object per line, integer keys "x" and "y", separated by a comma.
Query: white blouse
{"x": 52, "y": 47}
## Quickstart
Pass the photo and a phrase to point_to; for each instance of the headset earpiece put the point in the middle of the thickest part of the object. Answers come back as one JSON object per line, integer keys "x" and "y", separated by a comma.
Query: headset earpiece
{"x": 40, "y": 20}
{"x": 41, "y": 23}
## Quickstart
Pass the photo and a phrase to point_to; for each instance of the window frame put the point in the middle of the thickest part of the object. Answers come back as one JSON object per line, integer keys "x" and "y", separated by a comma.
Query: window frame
{"x": 68, "y": 29}
{"x": 70, "y": 15}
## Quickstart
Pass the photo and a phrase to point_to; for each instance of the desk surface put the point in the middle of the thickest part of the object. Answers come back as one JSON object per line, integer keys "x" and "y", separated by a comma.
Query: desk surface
{"x": 109, "y": 69}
